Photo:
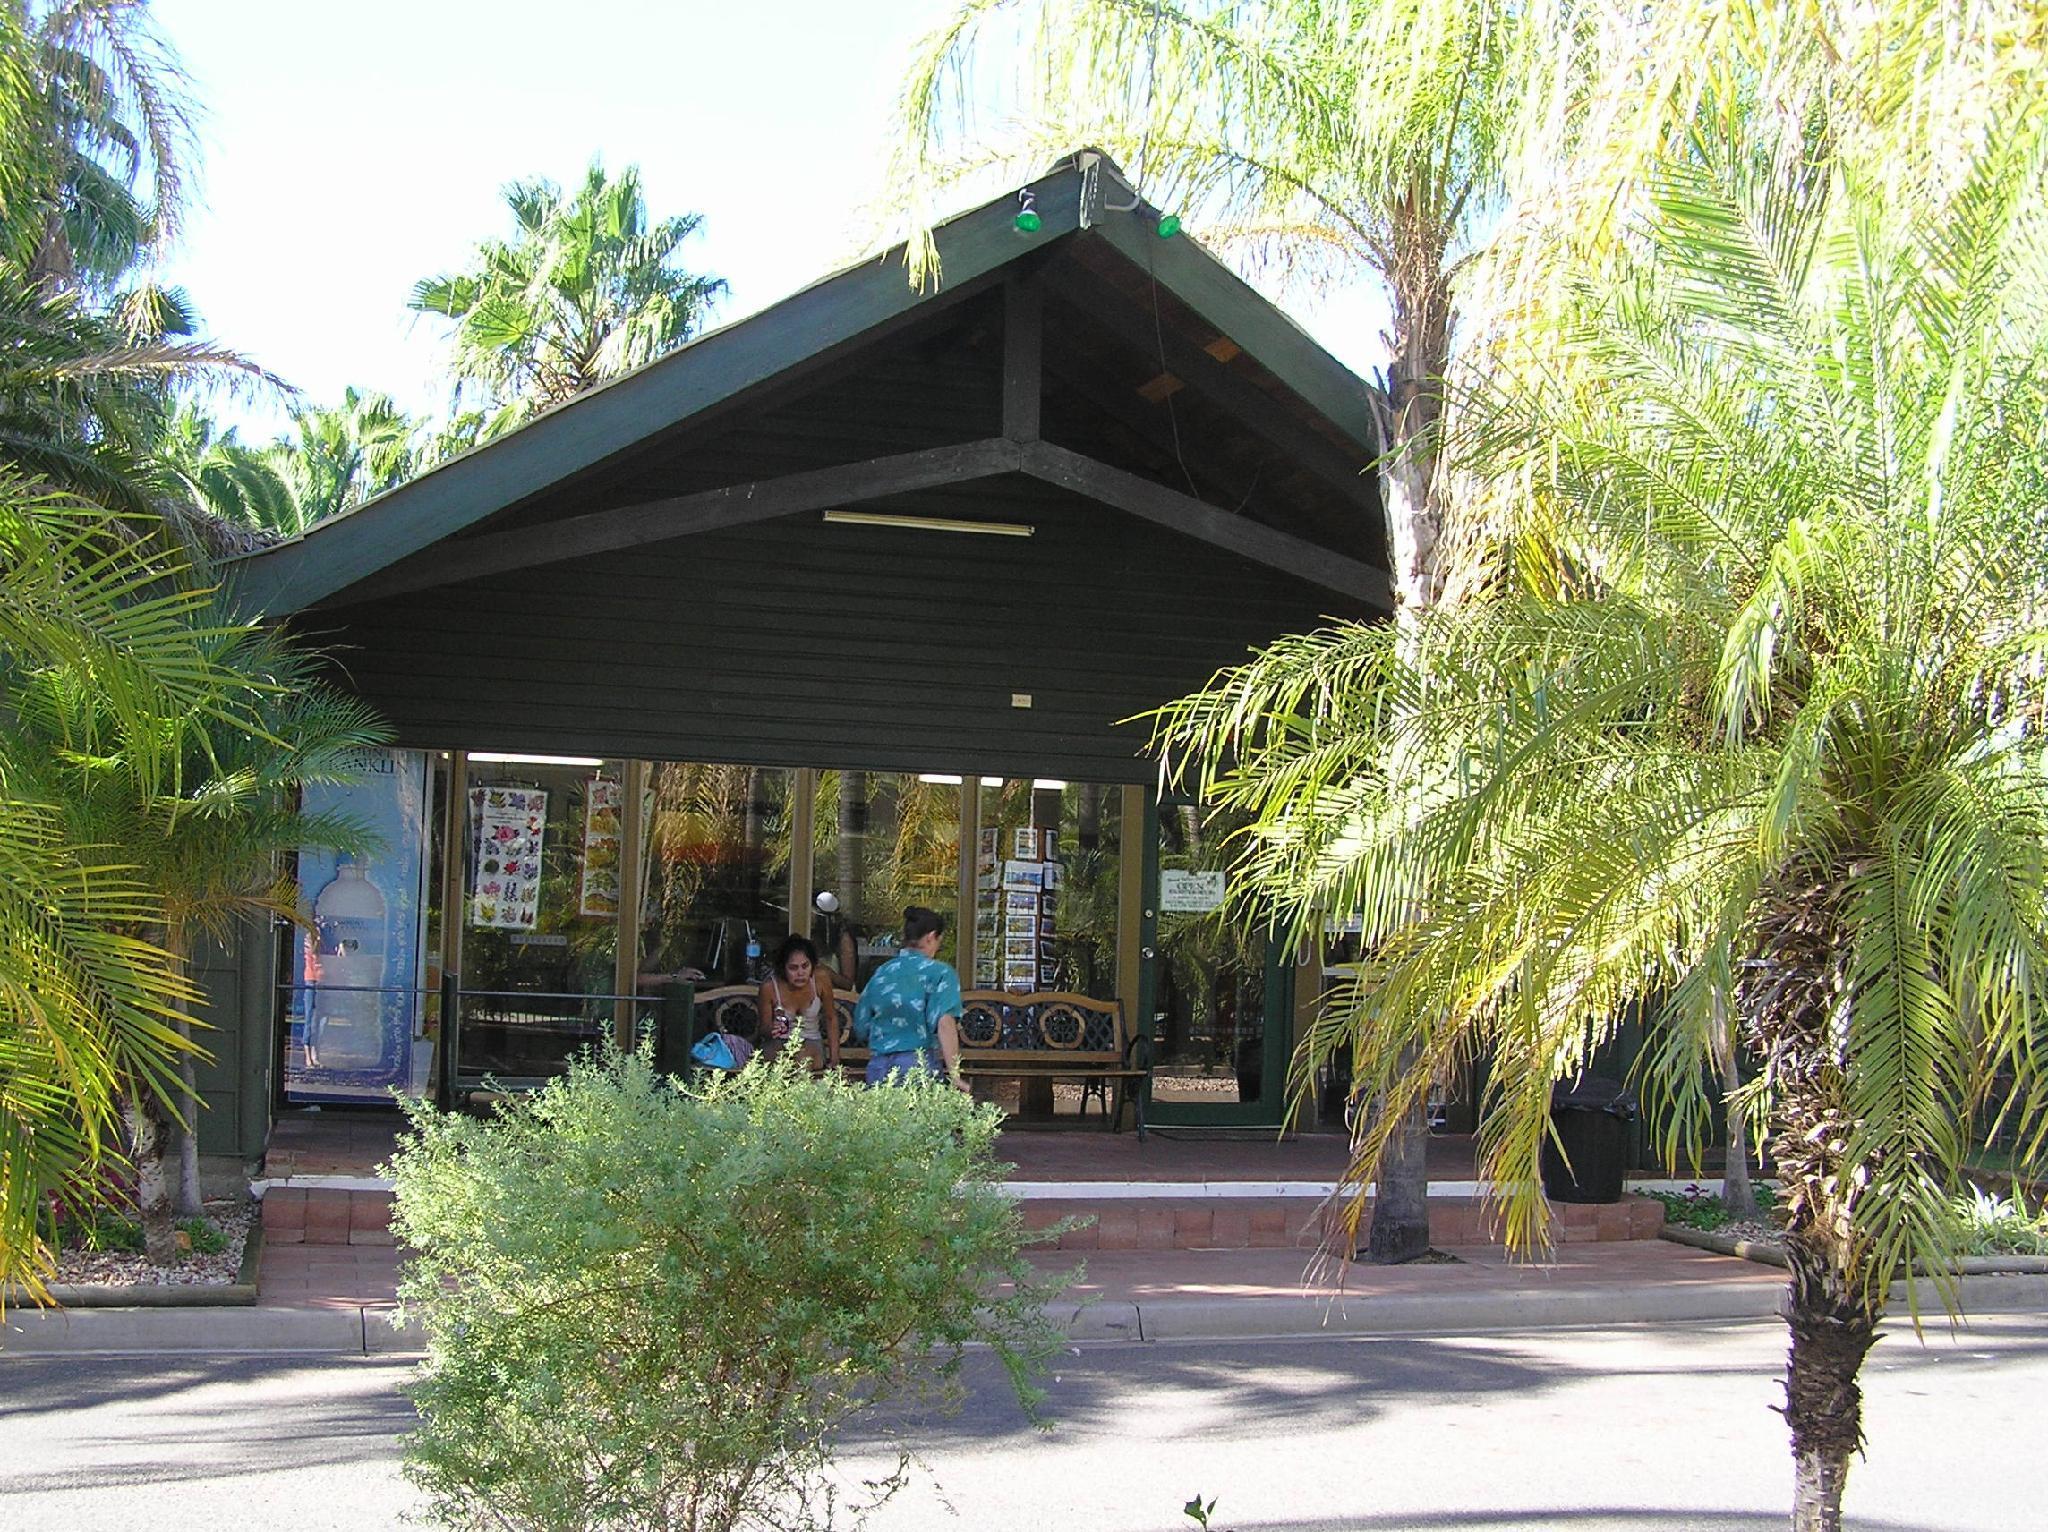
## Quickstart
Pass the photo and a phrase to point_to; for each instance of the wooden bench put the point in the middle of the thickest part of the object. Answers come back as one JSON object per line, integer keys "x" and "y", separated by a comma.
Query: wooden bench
{"x": 1042, "y": 1035}
{"x": 1048, "y": 1034}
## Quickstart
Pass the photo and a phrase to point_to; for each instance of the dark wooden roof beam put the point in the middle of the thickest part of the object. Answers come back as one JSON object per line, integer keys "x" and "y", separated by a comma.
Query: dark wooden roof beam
{"x": 1181, "y": 513}
{"x": 1205, "y": 369}
{"x": 1023, "y": 359}
{"x": 654, "y": 521}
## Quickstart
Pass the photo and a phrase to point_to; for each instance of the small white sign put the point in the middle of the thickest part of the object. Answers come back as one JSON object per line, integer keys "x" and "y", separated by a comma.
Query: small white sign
{"x": 1190, "y": 893}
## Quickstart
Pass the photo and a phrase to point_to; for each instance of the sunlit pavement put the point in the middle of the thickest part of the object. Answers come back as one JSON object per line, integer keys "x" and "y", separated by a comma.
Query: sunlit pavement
{"x": 1642, "y": 1427}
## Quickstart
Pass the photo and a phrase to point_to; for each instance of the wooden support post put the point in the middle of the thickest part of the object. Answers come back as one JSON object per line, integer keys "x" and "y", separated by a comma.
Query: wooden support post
{"x": 803, "y": 849}
{"x": 632, "y": 895}
{"x": 1023, "y": 360}
{"x": 966, "y": 947}
{"x": 454, "y": 915}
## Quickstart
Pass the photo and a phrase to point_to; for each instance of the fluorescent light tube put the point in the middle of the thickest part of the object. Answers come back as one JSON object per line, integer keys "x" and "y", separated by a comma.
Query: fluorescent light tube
{"x": 930, "y": 523}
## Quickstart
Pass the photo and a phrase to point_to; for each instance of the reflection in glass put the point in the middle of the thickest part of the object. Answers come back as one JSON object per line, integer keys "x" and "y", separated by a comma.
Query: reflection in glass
{"x": 1065, "y": 841}
{"x": 883, "y": 841}
{"x": 717, "y": 872}
{"x": 540, "y": 912}
{"x": 1210, "y": 1026}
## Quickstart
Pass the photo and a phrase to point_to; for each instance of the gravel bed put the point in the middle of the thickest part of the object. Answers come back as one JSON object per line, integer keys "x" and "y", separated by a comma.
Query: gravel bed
{"x": 120, "y": 1269}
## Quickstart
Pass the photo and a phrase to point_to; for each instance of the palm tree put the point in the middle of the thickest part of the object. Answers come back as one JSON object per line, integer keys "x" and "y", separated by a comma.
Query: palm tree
{"x": 1372, "y": 140}
{"x": 1743, "y": 709}
{"x": 94, "y": 104}
{"x": 223, "y": 478}
{"x": 346, "y": 454}
{"x": 586, "y": 288}
{"x": 207, "y": 843}
{"x": 89, "y": 1012}
{"x": 85, "y": 398}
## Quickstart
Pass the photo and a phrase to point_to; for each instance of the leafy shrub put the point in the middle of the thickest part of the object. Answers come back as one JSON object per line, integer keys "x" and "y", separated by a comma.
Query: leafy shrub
{"x": 93, "y": 1227}
{"x": 1988, "y": 1224}
{"x": 205, "y": 1238}
{"x": 1698, "y": 1208}
{"x": 651, "y": 1303}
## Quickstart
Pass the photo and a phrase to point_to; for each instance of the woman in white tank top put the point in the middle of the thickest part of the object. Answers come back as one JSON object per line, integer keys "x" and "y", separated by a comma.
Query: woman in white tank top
{"x": 796, "y": 1005}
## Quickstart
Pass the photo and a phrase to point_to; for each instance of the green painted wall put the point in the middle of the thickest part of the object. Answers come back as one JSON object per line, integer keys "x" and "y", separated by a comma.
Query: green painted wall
{"x": 236, "y": 1081}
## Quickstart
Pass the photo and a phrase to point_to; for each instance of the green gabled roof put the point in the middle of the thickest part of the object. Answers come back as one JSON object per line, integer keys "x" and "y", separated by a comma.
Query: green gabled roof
{"x": 598, "y": 425}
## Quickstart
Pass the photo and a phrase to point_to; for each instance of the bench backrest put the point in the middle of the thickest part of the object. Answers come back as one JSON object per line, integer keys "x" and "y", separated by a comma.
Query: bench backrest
{"x": 736, "y": 1008}
{"x": 996, "y": 1025}
{"x": 1040, "y": 1026}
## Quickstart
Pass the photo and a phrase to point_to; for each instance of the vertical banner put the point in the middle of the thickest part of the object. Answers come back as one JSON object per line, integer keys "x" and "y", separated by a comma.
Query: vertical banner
{"x": 602, "y": 800}
{"x": 356, "y": 1000}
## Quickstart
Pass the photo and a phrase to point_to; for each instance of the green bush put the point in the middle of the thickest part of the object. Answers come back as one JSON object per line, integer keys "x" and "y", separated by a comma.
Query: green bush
{"x": 1697, "y": 1208}
{"x": 1988, "y": 1224}
{"x": 206, "y": 1239}
{"x": 652, "y": 1304}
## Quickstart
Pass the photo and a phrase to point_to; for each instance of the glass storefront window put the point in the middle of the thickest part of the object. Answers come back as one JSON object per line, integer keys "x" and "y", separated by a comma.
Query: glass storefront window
{"x": 1210, "y": 1022}
{"x": 883, "y": 841}
{"x": 1060, "y": 844}
{"x": 540, "y": 910}
{"x": 716, "y": 853}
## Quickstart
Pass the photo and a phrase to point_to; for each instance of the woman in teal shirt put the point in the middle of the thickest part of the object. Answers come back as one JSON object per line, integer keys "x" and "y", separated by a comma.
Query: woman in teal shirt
{"x": 909, "y": 1011}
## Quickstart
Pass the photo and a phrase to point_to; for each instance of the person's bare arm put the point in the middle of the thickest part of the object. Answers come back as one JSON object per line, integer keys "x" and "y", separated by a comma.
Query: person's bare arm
{"x": 828, "y": 1018}
{"x": 949, "y": 1050}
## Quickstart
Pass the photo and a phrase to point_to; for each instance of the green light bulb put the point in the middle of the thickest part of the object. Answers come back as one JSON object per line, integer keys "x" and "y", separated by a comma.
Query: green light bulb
{"x": 1169, "y": 225}
{"x": 1029, "y": 222}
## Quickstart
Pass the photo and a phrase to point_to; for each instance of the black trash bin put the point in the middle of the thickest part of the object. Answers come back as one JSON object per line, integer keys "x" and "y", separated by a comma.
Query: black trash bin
{"x": 1591, "y": 1115}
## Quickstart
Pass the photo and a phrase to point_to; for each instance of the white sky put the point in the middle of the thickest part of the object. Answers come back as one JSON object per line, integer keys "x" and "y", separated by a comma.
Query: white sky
{"x": 348, "y": 151}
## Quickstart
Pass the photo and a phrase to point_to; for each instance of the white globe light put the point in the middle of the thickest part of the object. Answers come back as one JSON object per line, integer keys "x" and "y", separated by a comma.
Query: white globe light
{"x": 827, "y": 902}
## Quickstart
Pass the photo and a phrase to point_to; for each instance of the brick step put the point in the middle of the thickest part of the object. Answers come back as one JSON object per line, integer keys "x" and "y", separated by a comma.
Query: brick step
{"x": 1283, "y": 1223}
{"x": 328, "y": 1216}
{"x": 320, "y": 1215}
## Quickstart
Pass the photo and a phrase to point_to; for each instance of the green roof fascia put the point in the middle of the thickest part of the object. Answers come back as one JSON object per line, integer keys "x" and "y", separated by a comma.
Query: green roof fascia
{"x": 609, "y": 419}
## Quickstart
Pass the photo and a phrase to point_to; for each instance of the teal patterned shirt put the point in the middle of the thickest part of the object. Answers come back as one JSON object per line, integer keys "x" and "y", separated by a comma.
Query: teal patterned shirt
{"x": 901, "y": 1004}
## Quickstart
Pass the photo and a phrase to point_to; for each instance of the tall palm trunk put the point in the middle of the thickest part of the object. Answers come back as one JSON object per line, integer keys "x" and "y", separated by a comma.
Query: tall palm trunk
{"x": 1413, "y": 504}
{"x": 1738, "y": 1196}
{"x": 177, "y": 942}
{"x": 1795, "y": 1013}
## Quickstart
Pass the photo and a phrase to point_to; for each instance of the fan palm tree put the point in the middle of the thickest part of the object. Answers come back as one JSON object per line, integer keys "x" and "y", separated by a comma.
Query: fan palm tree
{"x": 346, "y": 454}
{"x": 208, "y": 842}
{"x": 1744, "y": 711}
{"x": 89, "y": 1012}
{"x": 586, "y": 288}
{"x": 223, "y": 478}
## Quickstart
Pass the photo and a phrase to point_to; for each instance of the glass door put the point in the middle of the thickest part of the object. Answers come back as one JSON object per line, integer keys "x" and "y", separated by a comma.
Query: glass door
{"x": 1219, "y": 997}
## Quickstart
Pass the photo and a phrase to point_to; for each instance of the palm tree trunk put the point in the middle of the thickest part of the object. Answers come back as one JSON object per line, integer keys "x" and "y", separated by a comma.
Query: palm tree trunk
{"x": 1793, "y": 1011}
{"x": 148, "y": 1125}
{"x": 177, "y": 942}
{"x": 189, "y": 1201}
{"x": 1738, "y": 1196}
{"x": 1414, "y": 509}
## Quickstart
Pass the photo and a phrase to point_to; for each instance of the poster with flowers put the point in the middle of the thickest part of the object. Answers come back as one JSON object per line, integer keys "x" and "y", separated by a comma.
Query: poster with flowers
{"x": 509, "y": 823}
{"x": 602, "y": 799}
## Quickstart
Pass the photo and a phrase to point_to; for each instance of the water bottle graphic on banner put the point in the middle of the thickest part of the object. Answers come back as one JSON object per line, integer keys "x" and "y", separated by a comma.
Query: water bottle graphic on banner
{"x": 346, "y": 1027}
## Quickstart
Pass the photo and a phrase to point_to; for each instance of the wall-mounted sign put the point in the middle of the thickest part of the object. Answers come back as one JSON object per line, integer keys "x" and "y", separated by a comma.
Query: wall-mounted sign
{"x": 1190, "y": 893}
